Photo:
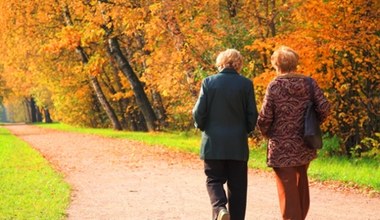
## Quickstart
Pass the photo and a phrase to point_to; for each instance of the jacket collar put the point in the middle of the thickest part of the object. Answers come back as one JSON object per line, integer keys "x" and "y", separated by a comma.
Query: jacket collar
{"x": 228, "y": 71}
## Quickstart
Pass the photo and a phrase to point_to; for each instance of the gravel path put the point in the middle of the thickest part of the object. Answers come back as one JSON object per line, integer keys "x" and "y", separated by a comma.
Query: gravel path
{"x": 122, "y": 179}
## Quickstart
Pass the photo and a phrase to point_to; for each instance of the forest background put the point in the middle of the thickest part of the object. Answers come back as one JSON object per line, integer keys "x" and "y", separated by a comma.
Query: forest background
{"x": 137, "y": 64}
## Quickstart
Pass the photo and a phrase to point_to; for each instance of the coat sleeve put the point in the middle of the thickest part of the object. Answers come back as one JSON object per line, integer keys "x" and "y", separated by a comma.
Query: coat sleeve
{"x": 200, "y": 108}
{"x": 252, "y": 113}
{"x": 322, "y": 106}
{"x": 266, "y": 115}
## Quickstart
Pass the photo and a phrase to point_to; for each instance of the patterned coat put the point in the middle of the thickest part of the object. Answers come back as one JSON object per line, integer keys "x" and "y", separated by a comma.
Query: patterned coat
{"x": 281, "y": 119}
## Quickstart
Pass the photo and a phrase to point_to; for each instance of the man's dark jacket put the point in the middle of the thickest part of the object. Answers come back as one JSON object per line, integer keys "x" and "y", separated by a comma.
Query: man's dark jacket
{"x": 226, "y": 113}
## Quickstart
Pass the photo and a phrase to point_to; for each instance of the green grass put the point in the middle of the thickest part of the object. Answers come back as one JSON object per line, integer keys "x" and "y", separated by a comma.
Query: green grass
{"x": 257, "y": 159}
{"x": 364, "y": 173}
{"x": 29, "y": 187}
{"x": 183, "y": 141}
{"x": 353, "y": 172}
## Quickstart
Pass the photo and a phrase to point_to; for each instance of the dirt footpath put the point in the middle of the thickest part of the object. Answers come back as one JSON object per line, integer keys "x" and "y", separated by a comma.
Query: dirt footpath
{"x": 122, "y": 179}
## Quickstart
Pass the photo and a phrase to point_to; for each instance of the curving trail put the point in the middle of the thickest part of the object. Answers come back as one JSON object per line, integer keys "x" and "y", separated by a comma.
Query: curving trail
{"x": 122, "y": 179}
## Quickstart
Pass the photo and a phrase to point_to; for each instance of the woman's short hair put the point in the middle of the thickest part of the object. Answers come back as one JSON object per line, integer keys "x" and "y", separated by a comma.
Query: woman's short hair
{"x": 284, "y": 59}
{"x": 230, "y": 58}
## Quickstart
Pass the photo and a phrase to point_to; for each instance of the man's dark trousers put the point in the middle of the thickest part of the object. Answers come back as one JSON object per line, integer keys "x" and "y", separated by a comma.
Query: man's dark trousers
{"x": 234, "y": 172}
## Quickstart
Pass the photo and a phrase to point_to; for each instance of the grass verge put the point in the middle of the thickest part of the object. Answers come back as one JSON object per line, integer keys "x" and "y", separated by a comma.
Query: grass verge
{"x": 362, "y": 173}
{"x": 29, "y": 187}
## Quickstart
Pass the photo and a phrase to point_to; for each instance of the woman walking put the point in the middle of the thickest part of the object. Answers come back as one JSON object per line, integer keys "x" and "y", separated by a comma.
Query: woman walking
{"x": 226, "y": 113}
{"x": 281, "y": 121}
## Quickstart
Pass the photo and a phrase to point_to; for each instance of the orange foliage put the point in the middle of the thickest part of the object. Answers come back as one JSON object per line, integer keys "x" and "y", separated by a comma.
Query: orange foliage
{"x": 172, "y": 46}
{"x": 338, "y": 43}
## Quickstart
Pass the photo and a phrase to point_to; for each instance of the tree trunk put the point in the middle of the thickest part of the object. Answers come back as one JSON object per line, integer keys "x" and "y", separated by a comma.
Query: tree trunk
{"x": 38, "y": 114}
{"x": 32, "y": 107}
{"x": 123, "y": 64}
{"x": 138, "y": 120}
{"x": 105, "y": 104}
{"x": 3, "y": 113}
{"x": 232, "y": 4}
{"x": 138, "y": 90}
{"x": 28, "y": 111}
{"x": 126, "y": 117}
{"x": 94, "y": 81}
{"x": 47, "y": 116}
{"x": 159, "y": 108}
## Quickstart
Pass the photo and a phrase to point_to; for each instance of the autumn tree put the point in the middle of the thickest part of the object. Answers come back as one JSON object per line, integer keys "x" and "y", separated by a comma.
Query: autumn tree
{"x": 182, "y": 39}
{"x": 21, "y": 80}
{"x": 54, "y": 38}
{"x": 29, "y": 70}
{"x": 149, "y": 57}
{"x": 93, "y": 75}
{"x": 338, "y": 43}
{"x": 346, "y": 42}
